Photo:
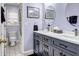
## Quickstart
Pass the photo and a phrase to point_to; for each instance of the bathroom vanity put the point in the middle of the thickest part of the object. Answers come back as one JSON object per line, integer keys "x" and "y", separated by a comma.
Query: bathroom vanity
{"x": 52, "y": 44}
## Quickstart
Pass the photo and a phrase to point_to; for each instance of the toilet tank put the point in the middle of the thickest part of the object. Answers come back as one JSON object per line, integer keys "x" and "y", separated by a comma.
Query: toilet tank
{"x": 12, "y": 36}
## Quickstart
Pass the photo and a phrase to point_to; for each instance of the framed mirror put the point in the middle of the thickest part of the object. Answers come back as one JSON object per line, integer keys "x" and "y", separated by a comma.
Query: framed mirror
{"x": 49, "y": 14}
{"x": 33, "y": 12}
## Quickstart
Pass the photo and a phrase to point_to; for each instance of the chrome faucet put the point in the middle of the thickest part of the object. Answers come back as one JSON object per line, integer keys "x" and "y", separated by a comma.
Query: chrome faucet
{"x": 76, "y": 32}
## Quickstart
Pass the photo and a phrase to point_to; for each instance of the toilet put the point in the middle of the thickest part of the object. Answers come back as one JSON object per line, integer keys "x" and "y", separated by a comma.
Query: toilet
{"x": 12, "y": 38}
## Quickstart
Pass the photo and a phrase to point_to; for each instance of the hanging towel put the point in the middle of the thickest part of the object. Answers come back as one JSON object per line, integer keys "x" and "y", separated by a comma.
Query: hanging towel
{"x": 2, "y": 15}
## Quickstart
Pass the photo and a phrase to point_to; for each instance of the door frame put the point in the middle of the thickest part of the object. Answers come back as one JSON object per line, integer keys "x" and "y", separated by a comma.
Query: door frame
{"x": 19, "y": 26}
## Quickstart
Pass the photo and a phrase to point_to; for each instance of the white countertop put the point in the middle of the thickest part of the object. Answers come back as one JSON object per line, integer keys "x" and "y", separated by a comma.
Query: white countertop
{"x": 64, "y": 36}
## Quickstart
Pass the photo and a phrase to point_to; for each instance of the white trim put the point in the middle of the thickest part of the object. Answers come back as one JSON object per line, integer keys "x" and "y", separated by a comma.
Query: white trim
{"x": 22, "y": 12}
{"x": 22, "y": 23}
{"x": 28, "y": 52}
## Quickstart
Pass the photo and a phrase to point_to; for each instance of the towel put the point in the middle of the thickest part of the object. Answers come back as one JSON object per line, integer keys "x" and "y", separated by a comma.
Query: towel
{"x": 2, "y": 15}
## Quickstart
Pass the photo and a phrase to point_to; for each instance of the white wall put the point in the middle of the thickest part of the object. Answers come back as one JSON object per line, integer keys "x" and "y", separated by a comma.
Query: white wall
{"x": 50, "y": 6}
{"x": 73, "y": 9}
{"x": 61, "y": 20}
{"x": 27, "y": 27}
{"x": 28, "y": 24}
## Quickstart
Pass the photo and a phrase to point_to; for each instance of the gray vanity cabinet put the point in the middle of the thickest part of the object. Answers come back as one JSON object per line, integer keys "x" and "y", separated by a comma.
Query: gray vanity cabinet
{"x": 50, "y": 46}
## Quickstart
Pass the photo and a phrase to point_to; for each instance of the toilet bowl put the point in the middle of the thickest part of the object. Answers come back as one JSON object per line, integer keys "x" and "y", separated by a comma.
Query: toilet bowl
{"x": 12, "y": 43}
{"x": 12, "y": 38}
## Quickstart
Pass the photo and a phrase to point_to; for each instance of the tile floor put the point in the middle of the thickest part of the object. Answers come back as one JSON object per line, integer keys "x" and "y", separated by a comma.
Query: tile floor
{"x": 13, "y": 51}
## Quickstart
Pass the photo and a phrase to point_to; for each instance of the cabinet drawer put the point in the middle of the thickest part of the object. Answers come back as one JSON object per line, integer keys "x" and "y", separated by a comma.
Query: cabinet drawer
{"x": 38, "y": 36}
{"x": 67, "y": 45}
{"x": 46, "y": 39}
{"x": 58, "y": 51}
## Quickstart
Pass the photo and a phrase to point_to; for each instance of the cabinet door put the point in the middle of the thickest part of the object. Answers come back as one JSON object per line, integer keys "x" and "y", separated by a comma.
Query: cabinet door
{"x": 51, "y": 51}
{"x": 36, "y": 46}
{"x": 45, "y": 49}
{"x": 40, "y": 48}
{"x": 56, "y": 52}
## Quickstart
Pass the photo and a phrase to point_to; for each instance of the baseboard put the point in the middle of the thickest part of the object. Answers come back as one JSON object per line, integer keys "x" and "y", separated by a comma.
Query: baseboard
{"x": 28, "y": 52}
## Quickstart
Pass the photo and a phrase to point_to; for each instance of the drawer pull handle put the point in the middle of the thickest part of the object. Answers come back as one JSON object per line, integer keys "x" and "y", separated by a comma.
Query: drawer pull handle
{"x": 61, "y": 53}
{"x": 37, "y": 36}
{"x": 63, "y": 45}
{"x": 45, "y": 39}
{"x": 45, "y": 46}
{"x": 64, "y": 55}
